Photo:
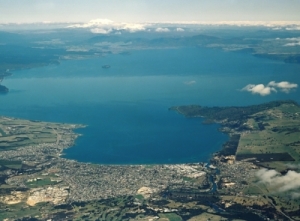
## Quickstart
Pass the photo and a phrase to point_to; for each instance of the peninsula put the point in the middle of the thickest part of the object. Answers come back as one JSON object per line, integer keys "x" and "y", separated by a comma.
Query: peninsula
{"x": 3, "y": 89}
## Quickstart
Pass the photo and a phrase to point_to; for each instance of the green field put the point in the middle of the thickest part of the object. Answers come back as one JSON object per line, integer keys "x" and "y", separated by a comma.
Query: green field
{"x": 17, "y": 133}
{"x": 13, "y": 164}
{"x": 40, "y": 182}
{"x": 276, "y": 130}
{"x": 169, "y": 216}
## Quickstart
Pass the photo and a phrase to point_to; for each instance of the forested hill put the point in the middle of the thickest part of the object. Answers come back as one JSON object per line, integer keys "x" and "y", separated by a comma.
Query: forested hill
{"x": 230, "y": 113}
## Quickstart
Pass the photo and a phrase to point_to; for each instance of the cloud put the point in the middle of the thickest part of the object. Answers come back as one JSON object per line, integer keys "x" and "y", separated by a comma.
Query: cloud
{"x": 190, "y": 82}
{"x": 293, "y": 44}
{"x": 266, "y": 176}
{"x": 50, "y": 42}
{"x": 106, "y": 26}
{"x": 133, "y": 27}
{"x": 284, "y": 86}
{"x": 162, "y": 30}
{"x": 98, "y": 22}
{"x": 179, "y": 29}
{"x": 292, "y": 39}
{"x": 272, "y": 86}
{"x": 77, "y": 49}
{"x": 283, "y": 183}
{"x": 294, "y": 28}
{"x": 101, "y": 30}
{"x": 93, "y": 23}
{"x": 258, "y": 89}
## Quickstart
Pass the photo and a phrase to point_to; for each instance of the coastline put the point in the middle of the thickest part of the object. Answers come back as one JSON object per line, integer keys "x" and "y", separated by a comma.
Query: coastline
{"x": 236, "y": 123}
{"x": 47, "y": 157}
{"x": 219, "y": 186}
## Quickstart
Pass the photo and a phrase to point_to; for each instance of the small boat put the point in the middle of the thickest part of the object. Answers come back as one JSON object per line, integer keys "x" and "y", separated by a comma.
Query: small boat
{"x": 106, "y": 66}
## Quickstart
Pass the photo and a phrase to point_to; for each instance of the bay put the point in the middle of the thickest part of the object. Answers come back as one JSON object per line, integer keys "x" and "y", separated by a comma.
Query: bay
{"x": 126, "y": 106}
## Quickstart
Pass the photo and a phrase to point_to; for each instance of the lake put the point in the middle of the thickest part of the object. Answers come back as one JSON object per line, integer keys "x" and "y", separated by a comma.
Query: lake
{"x": 126, "y": 105}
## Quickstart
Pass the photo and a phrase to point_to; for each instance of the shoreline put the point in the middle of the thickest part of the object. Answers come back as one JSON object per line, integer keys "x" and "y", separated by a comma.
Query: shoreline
{"x": 47, "y": 157}
{"x": 41, "y": 175}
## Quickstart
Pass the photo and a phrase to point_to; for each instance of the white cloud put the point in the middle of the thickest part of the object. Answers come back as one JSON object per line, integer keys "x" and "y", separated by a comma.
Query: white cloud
{"x": 93, "y": 23}
{"x": 179, "y": 29}
{"x": 283, "y": 183}
{"x": 258, "y": 89}
{"x": 295, "y": 42}
{"x": 106, "y": 26}
{"x": 98, "y": 22}
{"x": 162, "y": 30}
{"x": 292, "y": 44}
{"x": 190, "y": 82}
{"x": 101, "y": 30}
{"x": 292, "y": 39}
{"x": 272, "y": 86}
{"x": 266, "y": 176}
{"x": 50, "y": 42}
{"x": 133, "y": 27}
{"x": 284, "y": 86}
{"x": 295, "y": 28}
{"x": 77, "y": 49}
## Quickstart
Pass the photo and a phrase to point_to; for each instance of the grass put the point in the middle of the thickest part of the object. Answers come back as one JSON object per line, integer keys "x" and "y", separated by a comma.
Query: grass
{"x": 40, "y": 183}
{"x": 211, "y": 217}
{"x": 20, "y": 210}
{"x": 25, "y": 132}
{"x": 188, "y": 179}
{"x": 277, "y": 165}
{"x": 281, "y": 133}
{"x": 170, "y": 216}
{"x": 139, "y": 197}
{"x": 13, "y": 164}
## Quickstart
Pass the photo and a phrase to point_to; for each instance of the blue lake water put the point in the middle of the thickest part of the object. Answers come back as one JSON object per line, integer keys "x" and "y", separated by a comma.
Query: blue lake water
{"x": 126, "y": 106}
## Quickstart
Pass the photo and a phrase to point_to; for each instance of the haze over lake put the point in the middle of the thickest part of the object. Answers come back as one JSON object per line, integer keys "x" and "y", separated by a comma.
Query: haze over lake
{"x": 126, "y": 105}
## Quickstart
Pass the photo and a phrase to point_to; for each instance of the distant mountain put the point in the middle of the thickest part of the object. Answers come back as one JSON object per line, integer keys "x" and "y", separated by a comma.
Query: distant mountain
{"x": 11, "y": 38}
{"x": 158, "y": 41}
{"x": 18, "y": 57}
{"x": 106, "y": 38}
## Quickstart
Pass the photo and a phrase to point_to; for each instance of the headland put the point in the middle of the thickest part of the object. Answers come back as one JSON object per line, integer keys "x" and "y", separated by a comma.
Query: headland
{"x": 3, "y": 89}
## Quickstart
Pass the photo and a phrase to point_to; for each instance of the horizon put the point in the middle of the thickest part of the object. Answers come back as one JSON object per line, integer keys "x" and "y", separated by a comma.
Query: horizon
{"x": 142, "y": 11}
{"x": 184, "y": 22}
{"x": 107, "y": 26}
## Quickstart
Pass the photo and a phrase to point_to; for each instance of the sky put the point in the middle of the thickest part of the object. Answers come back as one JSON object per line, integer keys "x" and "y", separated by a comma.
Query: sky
{"x": 29, "y": 11}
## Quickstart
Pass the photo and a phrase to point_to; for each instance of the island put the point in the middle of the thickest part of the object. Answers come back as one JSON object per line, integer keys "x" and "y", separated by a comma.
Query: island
{"x": 37, "y": 183}
{"x": 4, "y": 89}
{"x": 106, "y": 66}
